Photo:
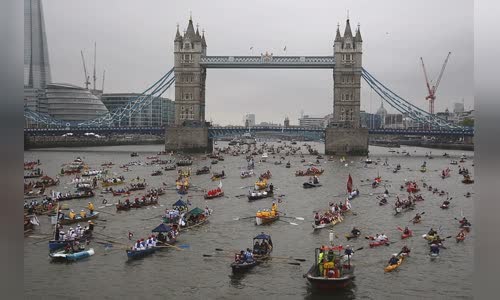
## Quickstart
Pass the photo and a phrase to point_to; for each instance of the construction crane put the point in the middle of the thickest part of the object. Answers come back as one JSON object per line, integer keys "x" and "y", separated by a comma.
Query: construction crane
{"x": 103, "y": 74}
{"x": 433, "y": 88}
{"x": 87, "y": 78}
{"x": 95, "y": 78}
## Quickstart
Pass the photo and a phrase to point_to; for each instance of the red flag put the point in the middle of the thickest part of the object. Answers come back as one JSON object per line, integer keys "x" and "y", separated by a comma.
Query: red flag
{"x": 349, "y": 184}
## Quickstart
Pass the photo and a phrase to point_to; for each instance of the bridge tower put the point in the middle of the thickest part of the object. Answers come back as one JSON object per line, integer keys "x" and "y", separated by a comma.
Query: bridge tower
{"x": 190, "y": 131}
{"x": 344, "y": 134}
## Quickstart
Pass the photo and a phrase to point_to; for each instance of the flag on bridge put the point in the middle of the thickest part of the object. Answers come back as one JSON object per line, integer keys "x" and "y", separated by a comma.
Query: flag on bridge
{"x": 284, "y": 49}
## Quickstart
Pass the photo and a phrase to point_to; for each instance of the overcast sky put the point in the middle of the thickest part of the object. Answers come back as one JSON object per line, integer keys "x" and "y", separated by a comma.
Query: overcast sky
{"x": 135, "y": 47}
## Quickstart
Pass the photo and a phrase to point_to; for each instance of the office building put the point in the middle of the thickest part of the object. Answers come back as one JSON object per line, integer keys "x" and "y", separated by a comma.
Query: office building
{"x": 69, "y": 102}
{"x": 249, "y": 120}
{"x": 160, "y": 112}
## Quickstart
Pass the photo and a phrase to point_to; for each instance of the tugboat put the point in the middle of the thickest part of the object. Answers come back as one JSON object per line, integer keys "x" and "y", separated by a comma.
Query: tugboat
{"x": 335, "y": 271}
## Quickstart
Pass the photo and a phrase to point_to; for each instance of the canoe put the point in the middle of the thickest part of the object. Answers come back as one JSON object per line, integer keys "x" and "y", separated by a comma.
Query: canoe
{"x": 72, "y": 256}
{"x": 324, "y": 283}
{"x": 391, "y": 268}
{"x": 351, "y": 236}
{"x": 380, "y": 243}
{"x": 78, "y": 219}
{"x": 242, "y": 267}
{"x": 308, "y": 185}
{"x": 133, "y": 254}
{"x": 219, "y": 194}
{"x": 259, "y": 195}
{"x": 428, "y": 237}
{"x": 265, "y": 220}
{"x": 325, "y": 225}
{"x": 405, "y": 236}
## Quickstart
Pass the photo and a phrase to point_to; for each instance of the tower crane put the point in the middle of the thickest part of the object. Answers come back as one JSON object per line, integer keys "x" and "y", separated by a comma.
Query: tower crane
{"x": 433, "y": 88}
{"x": 87, "y": 78}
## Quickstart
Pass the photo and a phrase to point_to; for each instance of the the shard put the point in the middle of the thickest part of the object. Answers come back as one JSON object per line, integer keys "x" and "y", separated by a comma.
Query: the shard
{"x": 36, "y": 56}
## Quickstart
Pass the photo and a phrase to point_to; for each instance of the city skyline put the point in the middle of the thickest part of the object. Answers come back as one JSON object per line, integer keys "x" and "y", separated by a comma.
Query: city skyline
{"x": 140, "y": 50}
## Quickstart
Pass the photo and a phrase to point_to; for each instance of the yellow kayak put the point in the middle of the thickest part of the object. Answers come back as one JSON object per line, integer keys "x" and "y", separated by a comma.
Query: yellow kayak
{"x": 391, "y": 268}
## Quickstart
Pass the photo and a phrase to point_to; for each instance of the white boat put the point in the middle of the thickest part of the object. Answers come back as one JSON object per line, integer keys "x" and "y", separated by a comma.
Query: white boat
{"x": 265, "y": 156}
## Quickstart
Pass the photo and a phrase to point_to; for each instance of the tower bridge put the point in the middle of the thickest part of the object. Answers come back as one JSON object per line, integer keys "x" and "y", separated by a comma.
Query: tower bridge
{"x": 191, "y": 132}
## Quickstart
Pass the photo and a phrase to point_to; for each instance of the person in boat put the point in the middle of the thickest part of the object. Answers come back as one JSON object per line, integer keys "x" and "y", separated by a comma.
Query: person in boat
{"x": 417, "y": 218}
{"x": 432, "y": 232}
{"x": 72, "y": 215}
{"x": 355, "y": 231}
{"x": 384, "y": 237}
{"x": 274, "y": 207}
{"x": 464, "y": 222}
{"x": 83, "y": 214}
{"x": 394, "y": 260}
{"x": 256, "y": 247}
{"x": 315, "y": 179}
{"x": 348, "y": 251}
{"x": 317, "y": 219}
{"x": 271, "y": 188}
{"x": 406, "y": 230}
{"x": 377, "y": 238}
{"x": 446, "y": 202}
{"x": 91, "y": 225}
{"x": 383, "y": 200}
{"x": 405, "y": 250}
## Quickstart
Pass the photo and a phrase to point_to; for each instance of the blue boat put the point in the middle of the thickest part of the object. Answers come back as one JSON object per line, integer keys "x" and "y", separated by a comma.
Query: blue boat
{"x": 72, "y": 256}
{"x": 132, "y": 254}
{"x": 59, "y": 244}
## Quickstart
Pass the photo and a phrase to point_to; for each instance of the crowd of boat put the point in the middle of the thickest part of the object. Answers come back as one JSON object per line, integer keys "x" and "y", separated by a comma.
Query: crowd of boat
{"x": 333, "y": 265}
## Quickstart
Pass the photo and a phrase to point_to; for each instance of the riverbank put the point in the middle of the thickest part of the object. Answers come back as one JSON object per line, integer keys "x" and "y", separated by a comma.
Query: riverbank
{"x": 32, "y": 143}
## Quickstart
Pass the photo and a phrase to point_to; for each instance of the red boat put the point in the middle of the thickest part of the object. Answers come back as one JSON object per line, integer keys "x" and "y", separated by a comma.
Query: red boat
{"x": 119, "y": 193}
{"x": 218, "y": 192}
{"x": 378, "y": 243}
{"x": 405, "y": 236}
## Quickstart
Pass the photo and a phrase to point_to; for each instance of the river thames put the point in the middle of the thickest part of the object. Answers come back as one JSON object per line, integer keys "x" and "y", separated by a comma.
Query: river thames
{"x": 186, "y": 274}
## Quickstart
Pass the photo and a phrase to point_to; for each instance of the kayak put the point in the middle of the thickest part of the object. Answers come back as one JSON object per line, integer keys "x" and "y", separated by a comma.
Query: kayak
{"x": 459, "y": 239}
{"x": 379, "y": 243}
{"x": 391, "y": 268}
{"x": 72, "y": 256}
{"x": 404, "y": 236}
{"x": 308, "y": 185}
{"x": 444, "y": 206}
{"x": 428, "y": 237}
{"x": 433, "y": 255}
{"x": 351, "y": 236}
{"x": 417, "y": 221}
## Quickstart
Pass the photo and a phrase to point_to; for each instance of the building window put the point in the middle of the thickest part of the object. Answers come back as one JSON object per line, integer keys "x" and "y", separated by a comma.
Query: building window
{"x": 348, "y": 46}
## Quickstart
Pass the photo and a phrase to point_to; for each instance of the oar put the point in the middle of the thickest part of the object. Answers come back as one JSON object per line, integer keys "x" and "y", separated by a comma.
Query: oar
{"x": 100, "y": 211}
{"x": 238, "y": 218}
{"x": 284, "y": 257}
{"x": 297, "y": 218}
{"x": 151, "y": 218}
{"x": 291, "y": 223}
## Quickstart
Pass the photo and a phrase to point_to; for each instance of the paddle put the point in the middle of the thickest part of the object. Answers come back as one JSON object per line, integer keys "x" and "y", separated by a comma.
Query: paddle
{"x": 152, "y": 218}
{"x": 238, "y": 218}
{"x": 291, "y": 223}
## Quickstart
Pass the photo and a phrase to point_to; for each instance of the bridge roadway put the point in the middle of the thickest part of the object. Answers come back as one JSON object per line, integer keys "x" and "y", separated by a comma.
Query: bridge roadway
{"x": 215, "y": 132}
{"x": 268, "y": 62}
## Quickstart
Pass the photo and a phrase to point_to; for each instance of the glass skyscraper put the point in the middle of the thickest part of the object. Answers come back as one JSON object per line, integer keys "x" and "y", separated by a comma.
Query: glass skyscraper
{"x": 36, "y": 56}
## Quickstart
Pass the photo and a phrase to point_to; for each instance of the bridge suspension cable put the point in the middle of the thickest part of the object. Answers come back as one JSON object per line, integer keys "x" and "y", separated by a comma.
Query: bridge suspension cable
{"x": 405, "y": 107}
{"x": 115, "y": 116}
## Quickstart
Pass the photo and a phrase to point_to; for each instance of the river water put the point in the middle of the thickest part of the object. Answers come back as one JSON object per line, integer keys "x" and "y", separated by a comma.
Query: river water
{"x": 186, "y": 274}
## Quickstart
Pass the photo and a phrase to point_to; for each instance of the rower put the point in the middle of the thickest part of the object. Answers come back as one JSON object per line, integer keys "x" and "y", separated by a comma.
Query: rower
{"x": 82, "y": 214}
{"x": 72, "y": 214}
{"x": 405, "y": 250}
{"x": 394, "y": 260}
{"x": 432, "y": 232}
{"x": 355, "y": 231}
{"x": 417, "y": 217}
{"x": 406, "y": 230}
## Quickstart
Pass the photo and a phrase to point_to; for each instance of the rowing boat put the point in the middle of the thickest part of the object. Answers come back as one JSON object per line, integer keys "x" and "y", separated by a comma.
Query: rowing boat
{"x": 406, "y": 235}
{"x": 334, "y": 222}
{"x": 72, "y": 256}
{"x": 308, "y": 185}
{"x": 78, "y": 219}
